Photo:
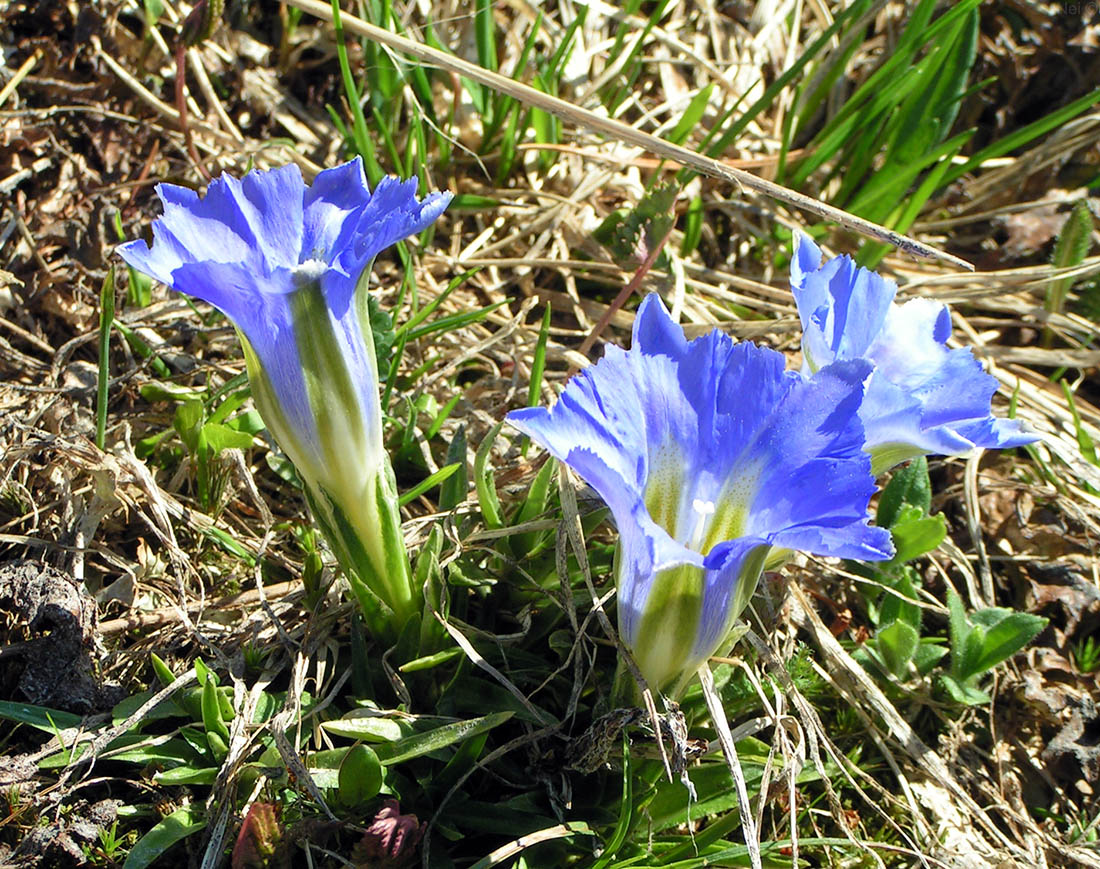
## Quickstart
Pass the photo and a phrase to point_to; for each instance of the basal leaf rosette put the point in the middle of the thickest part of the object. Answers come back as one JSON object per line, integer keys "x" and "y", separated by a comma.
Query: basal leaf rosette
{"x": 922, "y": 396}
{"x": 287, "y": 263}
{"x": 711, "y": 456}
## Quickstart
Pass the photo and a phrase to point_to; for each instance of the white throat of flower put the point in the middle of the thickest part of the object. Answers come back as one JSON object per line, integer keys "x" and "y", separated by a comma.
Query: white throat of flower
{"x": 703, "y": 510}
{"x": 310, "y": 271}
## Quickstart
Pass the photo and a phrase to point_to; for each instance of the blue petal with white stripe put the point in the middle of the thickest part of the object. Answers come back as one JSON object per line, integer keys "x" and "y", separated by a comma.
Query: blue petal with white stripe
{"x": 709, "y": 455}
{"x": 922, "y": 396}
{"x": 286, "y": 262}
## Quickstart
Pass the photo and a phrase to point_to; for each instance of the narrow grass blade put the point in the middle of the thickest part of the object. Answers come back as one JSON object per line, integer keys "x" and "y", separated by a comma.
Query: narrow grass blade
{"x": 626, "y": 810}
{"x": 360, "y": 136}
{"x": 40, "y": 717}
{"x": 1070, "y": 249}
{"x": 1019, "y": 138}
{"x": 538, "y": 364}
{"x": 428, "y": 483}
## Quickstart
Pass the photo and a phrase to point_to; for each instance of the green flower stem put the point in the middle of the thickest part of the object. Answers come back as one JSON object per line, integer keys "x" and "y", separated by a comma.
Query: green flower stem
{"x": 370, "y": 548}
{"x": 343, "y": 464}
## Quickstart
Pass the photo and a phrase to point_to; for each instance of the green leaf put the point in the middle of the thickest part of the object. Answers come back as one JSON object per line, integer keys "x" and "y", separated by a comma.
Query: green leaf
{"x": 534, "y": 504}
{"x": 429, "y": 482}
{"x": 203, "y": 673}
{"x": 163, "y": 672}
{"x": 895, "y": 607}
{"x": 484, "y": 482}
{"x": 862, "y": 118}
{"x": 884, "y": 197}
{"x": 454, "y": 489}
{"x": 221, "y": 437}
{"x": 188, "y": 775}
{"x": 129, "y": 705}
{"x": 631, "y": 234}
{"x": 916, "y": 534}
{"x": 897, "y": 644}
{"x": 440, "y": 737}
{"x": 188, "y": 424}
{"x": 929, "y": 112}
{"x": 428, "y": 580}
{"x": 691, "y": 117}
{"x": 1020, "y": 137}
{"x": 381, "y": 325}
{"x": 961, "y": 692}
{"x": 173, "y": 753}
{"x": 1005, "y": 638}
{"x": 626, "y": 810}
{"x": 472, "y": 201}
{"x": 908, "y": 486}
{"x": 1070, "y": 249}
{"x": 461, "y": 762}
{"x": 153, "y": 10}
{"x": 142, "y": 349}
{"x": 484, "y": 35}
{"x": 106, "y": 318}
{"x": 693, "y": 226}
{"x": 1084, "y": 439}
{"x": 454, "y": 321}
{"x": 217, "y": 734}
{"x": 360, "y": 777}
{"x": 178, "y": 825}
{"x": 40, "y": 717}
{"x": 219, "y": 747}
{"x": 155, "y": 390}
{"x": 927, "y": 656}
{"x": 428, "y": 662}
{"x": 368, "y": 725}
{"x": 958, "y": 626}
{"x": 671, "y": 806}
{"x": 538, "y": 364}
{"x": 964, "y": 661}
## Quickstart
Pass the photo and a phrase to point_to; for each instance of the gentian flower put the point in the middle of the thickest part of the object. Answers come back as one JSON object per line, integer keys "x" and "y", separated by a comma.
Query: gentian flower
{"x": 711, "y": 457}
{"x": 922, "y": 397}
{"x": 288, "y": 265}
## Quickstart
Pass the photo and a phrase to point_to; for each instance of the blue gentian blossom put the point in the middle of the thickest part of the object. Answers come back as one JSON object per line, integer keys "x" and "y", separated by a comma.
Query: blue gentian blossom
{"x": 922, "y": 397}
{"x": 288, "y": 264}
{"x": 710, "y": 456}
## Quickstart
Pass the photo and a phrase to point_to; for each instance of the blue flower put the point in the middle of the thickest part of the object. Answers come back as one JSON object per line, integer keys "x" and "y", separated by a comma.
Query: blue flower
{"x": 709, "y": 455}
{"x": 922, "y": 397}
{"x": 287, "y": 264}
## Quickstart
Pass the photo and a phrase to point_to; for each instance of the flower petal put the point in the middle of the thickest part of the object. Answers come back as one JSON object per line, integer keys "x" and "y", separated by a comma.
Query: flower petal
{"x": 708, "y": 454}
{"x": 815, "y": 482}
{"x": 393, "y": 213}
{"x": 331, "y": 209}
{"x": 603, "y": 423}
{"x": 271, "y": 202}
{"x": 923, "y": 396}
{"x": 895, "y": 416}
{"x": 259, "y": 306}
{"x": 842, "y": 307}
{"x": 654, "y": 332}
{"x": 732, "y": 571}
{"x": 994, "y": 434}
